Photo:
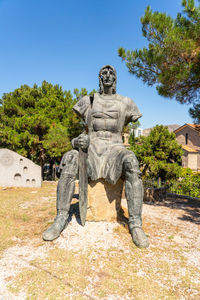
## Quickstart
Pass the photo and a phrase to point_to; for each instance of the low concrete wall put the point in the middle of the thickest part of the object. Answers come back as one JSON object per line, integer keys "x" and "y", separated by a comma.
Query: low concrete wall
{"x": 18, "y": 171}
{"x": 155, "y": 194}
{"x": 177, "y": 196}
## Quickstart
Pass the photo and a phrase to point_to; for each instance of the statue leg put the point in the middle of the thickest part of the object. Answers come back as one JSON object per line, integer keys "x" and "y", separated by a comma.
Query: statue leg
{"x": 65, "y": 192}
{"x": 134, "y": 196}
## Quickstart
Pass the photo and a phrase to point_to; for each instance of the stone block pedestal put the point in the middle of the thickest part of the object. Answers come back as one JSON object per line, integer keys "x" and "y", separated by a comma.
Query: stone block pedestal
{"x": 105, "y": 202}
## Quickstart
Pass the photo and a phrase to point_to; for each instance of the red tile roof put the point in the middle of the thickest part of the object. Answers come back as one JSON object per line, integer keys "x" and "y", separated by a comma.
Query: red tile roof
{"x": 194, "y": 126}
{"x": 189, "y": 149}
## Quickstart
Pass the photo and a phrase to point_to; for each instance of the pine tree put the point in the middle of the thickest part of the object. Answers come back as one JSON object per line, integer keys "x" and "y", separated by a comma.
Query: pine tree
{"x": 195, "y": 112}
{"x": 172, "y": 59}
{"x": 38, "y": 122}
{"x": 159, "y": 154}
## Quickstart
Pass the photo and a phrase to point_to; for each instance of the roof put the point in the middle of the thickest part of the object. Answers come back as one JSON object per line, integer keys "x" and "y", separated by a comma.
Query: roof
{"x": 193, "y": 126}
{"x": 189, "y": 149}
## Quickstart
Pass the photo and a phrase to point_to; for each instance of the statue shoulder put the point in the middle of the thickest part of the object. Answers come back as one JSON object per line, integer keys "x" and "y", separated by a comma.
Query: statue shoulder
{"x": 131, "y": 110}
{"x": 126, "y": 100}
{"x": 85, "y": 100}
{"x": 82, "y": 105}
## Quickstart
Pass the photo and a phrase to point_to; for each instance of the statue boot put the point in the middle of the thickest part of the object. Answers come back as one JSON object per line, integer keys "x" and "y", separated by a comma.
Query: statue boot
{"x": 134, "y": 196}
{"x": 65, "y": 191}
{"x": 135, "y": 223}
{"x": 67, "y": 172}
{"x": 139, "y": 237}
{"x": 54, "y": 231}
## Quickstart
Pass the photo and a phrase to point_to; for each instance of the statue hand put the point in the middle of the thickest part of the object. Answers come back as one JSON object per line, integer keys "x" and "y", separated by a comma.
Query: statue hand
{"x": 82, "y": 141}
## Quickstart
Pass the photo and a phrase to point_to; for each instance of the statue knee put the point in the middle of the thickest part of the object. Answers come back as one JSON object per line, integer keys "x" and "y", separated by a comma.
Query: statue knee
{"x": 69, "y": 164}
{"x": 131, "y": 168}
{"x": 133, "y": 181}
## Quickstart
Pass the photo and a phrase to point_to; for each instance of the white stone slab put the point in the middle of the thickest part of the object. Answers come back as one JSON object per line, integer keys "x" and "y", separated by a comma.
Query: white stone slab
{"x": 18, "y": 171}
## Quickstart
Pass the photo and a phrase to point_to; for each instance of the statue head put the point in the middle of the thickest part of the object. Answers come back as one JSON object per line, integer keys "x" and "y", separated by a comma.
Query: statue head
{"x": 107, "y": 78}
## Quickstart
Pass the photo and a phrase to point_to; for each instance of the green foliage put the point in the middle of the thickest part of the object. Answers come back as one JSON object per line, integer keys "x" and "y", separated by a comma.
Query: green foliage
{"x": 185, "y": 172}
{"x": 189, "y": 184}
{"x": 131, "y": 139}
{"x": 38, "y": 122}
{"x": 56, "y": 141}
{"x": 195, "y": 112}
{"x": 83, "y": 92}
{"x": 171, "y": 60}
{"x": 159, "y": 154}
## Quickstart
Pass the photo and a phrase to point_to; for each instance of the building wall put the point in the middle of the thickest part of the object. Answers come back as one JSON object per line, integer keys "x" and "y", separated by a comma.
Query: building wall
{"x": 193, "y": 137}
{"x": 198, "y": 162}
{"x": 138, "y": 132}
{"x": 192, "y": 161}
{"x": 19, "y": 171}
{"x": 185, "y": 160}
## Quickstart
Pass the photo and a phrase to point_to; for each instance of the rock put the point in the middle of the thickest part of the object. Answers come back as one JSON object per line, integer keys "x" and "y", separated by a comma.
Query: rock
{"x": 105, "y": 202}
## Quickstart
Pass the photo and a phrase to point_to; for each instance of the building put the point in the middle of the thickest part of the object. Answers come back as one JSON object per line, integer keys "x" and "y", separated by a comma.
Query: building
{"x": 138, "y": 132}
{"x": 125, "y": 136}
{"x": 188, "y": 136}
{"x": 18, "y": 171}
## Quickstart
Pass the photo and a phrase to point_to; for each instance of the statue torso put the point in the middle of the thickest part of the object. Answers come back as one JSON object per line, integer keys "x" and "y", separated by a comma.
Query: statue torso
{"x": 105, "y": 114}
{"x": 105, "y": 117}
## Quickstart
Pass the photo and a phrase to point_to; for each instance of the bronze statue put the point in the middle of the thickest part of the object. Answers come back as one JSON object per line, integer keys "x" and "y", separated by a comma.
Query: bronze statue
{"x": 105, "y": 115}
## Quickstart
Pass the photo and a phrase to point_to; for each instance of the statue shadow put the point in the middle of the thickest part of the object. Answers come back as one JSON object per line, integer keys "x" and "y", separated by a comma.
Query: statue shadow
{"x": 74, "y": 211}
{"x": 121, "y": 218}
{"x": 191, "y": 208}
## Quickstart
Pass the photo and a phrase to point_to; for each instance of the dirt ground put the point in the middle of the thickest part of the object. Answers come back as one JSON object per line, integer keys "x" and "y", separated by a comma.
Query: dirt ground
{"x": 98, "y": 261}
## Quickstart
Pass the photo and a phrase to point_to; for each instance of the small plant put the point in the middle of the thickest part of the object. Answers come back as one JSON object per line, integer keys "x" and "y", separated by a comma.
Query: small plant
{"x": 188, "y": 184}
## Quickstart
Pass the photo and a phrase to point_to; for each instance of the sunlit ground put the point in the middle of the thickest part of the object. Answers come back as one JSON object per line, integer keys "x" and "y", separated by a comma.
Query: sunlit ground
{"x": 98, "y": 261}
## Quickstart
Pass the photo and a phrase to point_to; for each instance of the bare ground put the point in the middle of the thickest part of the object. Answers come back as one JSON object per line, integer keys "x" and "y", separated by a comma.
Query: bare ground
{"x": 98, "y": 261}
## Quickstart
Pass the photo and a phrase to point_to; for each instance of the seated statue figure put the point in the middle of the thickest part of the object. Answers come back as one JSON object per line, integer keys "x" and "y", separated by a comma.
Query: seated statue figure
{"x": 105, "y": 114}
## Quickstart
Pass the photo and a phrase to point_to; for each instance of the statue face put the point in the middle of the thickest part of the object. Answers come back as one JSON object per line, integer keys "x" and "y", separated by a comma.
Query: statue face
{"x": 107, "y": 77}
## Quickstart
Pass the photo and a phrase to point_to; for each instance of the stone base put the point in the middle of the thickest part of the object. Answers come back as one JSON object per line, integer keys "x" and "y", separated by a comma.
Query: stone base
{"x": 105, "y": 202}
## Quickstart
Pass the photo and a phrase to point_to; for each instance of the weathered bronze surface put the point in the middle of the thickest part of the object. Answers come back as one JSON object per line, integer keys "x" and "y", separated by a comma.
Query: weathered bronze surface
{"x": 105, "y": 115}
{"x": 83, "y": 185}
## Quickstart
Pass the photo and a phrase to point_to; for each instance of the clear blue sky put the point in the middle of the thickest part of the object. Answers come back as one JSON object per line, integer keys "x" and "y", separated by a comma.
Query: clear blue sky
{"x": 68, "y": 41}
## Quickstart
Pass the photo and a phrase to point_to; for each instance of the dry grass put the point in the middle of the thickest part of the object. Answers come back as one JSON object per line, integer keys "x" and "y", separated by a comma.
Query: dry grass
{"x": 136, "y": 276}
{"x": 22, "y": 213}
{"x": 163, "y": 271}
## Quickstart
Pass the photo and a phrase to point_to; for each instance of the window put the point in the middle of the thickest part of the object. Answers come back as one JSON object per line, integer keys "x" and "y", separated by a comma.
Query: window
{"x": 186, "y": 138}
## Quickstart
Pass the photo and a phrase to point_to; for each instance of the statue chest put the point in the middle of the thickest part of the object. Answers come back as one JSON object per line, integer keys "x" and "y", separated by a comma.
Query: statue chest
{"x": 105, "y": 115}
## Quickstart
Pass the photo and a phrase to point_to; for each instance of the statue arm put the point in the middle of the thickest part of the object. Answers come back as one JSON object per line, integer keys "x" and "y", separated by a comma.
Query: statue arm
{"x": 132, "y": 112}
{"x": 136, "y": 117}
{"x": 81, "y": 109}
